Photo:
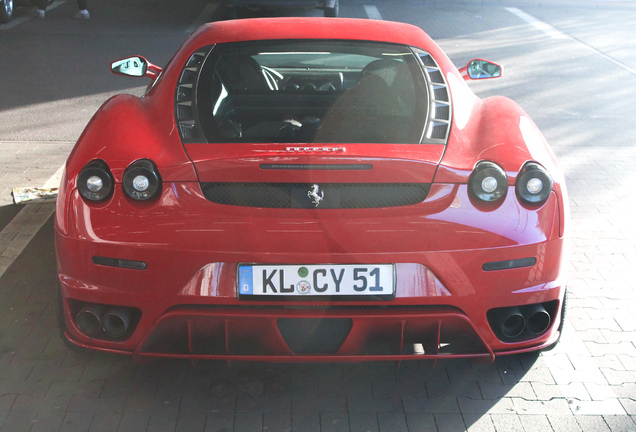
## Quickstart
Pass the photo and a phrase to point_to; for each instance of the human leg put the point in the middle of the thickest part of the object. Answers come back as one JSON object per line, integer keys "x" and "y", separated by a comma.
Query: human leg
{"x": 40, "y": 12}
{"x": 83, "y": 9}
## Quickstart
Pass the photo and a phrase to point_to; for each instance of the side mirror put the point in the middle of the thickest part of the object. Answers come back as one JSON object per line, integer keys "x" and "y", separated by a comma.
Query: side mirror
{"x": 132, "y": 66}
{"x": 481, "y": 69}
{"x": 135, "y": 66}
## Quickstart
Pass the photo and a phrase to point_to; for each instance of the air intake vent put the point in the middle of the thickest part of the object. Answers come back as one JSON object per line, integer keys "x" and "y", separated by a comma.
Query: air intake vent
{"x": 441, "y": 110}
{"x": 435, "y": 75}
{"x": 184, "y": 93}
{"x": 303, "y": 195}
{"x": 438, "y": 130}
{"x": 185, "y": 102}
{"x": 440, "y": 115}
{"x": 187, "y": 129}
{"x": 440, "y": 94}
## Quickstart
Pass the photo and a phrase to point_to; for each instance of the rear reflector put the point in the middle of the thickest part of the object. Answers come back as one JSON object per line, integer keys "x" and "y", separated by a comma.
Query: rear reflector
{"x": 509, "y": 264}
{"x": 122, "y": 263}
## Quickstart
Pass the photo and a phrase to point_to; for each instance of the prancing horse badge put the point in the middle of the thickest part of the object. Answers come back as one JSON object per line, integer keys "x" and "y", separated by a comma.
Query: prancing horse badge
{"x": 316, "y": 195}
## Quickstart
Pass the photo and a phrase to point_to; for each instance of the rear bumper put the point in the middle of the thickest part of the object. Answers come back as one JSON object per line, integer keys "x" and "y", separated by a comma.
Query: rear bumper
{"x": 205, "y": 320}
{"x": 185, "y": 294}
{"x": 344, "y": 335}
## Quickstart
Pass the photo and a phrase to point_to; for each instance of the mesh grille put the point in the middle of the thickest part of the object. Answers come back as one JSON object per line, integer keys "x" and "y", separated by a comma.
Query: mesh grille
{"x": 297, "y": 195}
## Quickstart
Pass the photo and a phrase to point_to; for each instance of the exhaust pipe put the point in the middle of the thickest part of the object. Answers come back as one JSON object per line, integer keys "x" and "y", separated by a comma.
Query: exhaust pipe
{"x": 538, "y": 319}
{"x": 512, "y": 323}
{"x": 89, "y": 319}
{"x": 115, "y": 322}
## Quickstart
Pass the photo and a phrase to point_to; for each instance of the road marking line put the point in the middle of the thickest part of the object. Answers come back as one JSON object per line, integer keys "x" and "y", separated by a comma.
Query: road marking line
{"x": 55, "y": 4}
{"x": 15, "y": 237}
{"x": 372, "y": 12}
{"x": 54, "y": 181}
{"x": 23, "y": 19}
{"x": 206, "y": 13}
{"x": 15, "y": 22}
{"x": 540, "y": 25}
{"x": 17, "y": 234}
{"x": 558, "y": 34}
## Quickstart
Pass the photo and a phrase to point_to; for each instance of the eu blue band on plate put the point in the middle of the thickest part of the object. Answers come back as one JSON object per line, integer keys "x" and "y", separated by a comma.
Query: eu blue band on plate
{"x": 245, "y": 280}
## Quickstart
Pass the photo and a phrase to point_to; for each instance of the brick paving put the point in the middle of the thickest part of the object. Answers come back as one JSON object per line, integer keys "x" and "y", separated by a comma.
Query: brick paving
{"x": 29, "y": 164}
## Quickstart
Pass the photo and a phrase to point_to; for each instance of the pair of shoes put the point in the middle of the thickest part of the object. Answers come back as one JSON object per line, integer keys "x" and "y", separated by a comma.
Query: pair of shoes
{"x": 40, "y": 13}
{"x": 83, "y": 14}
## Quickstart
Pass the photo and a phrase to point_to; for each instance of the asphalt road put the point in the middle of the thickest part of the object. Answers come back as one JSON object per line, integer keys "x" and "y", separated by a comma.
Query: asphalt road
{"x": 570, "y": 65}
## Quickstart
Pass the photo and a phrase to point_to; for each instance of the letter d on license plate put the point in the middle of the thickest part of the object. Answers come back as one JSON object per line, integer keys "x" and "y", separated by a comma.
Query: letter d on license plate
{"x": 311, "y": 280}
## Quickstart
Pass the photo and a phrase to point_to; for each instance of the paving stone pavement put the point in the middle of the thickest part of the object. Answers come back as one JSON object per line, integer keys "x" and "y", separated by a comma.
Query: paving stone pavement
{"x": 29, "y": 164}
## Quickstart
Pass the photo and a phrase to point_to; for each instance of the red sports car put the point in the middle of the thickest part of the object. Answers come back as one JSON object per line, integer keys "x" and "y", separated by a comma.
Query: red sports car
{"x": 311, "y": 189}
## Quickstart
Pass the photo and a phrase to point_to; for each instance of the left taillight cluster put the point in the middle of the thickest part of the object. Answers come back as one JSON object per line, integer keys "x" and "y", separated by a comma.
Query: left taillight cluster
{"x": 141, "y": 181}
{"x": 95, "y": 181}
{"x": 489, "y": 183}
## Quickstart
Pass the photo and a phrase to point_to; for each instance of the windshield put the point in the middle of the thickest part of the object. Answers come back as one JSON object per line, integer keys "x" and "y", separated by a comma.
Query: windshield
{"x": 311, "y": 92}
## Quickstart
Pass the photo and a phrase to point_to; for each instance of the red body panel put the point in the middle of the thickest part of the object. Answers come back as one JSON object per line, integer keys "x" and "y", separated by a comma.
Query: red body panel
{"x": 191, "y": 246}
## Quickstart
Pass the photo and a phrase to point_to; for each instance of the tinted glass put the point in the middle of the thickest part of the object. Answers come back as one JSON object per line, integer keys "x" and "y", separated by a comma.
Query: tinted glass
{"x": 312, "y": 92}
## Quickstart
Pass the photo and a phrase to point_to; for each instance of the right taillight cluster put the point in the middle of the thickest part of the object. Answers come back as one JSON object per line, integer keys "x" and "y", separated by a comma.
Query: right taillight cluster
{"x": 141, "y": 181}
{"x": 533, "y": 184}
{"x": 488, "y": 183}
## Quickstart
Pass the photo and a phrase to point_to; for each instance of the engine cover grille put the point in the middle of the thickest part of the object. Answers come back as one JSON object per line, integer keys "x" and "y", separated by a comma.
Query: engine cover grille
{"x": 321, "y": 196}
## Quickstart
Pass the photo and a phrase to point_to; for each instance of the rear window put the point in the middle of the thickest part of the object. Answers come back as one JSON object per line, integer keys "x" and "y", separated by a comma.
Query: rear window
{"x": 308, "y": 92}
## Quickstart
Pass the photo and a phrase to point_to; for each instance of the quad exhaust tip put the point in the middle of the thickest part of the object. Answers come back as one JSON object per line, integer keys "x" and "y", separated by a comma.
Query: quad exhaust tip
{"x": 89, "y": 319}
{"x": 518, "y": 323}
{"x": 116, "y": 322}
{"x": 513, "y": 323}
{"x": 105, "y": 322}
{"x": 538, "y": 320}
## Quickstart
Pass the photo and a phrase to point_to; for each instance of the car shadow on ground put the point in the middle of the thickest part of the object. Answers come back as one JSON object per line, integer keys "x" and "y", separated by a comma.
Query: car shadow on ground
{"x": 7, "y": 213}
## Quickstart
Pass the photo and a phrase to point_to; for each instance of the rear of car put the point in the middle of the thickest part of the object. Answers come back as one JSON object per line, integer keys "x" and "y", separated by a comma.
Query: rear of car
{"x": 297, "y": 202}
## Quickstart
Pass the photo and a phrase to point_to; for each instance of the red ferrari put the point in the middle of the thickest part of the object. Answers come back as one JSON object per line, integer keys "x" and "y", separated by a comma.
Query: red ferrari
{"x": 311, "y": 189}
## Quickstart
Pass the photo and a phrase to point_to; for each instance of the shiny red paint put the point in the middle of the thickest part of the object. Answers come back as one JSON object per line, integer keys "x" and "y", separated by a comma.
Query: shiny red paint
{"x": 406, "y": 163}
{"x": 188, "y": 293}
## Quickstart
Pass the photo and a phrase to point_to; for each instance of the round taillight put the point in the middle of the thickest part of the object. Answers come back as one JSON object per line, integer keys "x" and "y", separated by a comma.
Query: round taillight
{"x": 141, "y": 180}
{"x": 95, "y": 182}
{"x": 533, "y": 184}
{"x": 488, "y": 182}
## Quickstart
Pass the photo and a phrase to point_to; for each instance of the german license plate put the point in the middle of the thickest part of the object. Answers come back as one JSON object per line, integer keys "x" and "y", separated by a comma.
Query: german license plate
{"x": 324, "y": 280}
